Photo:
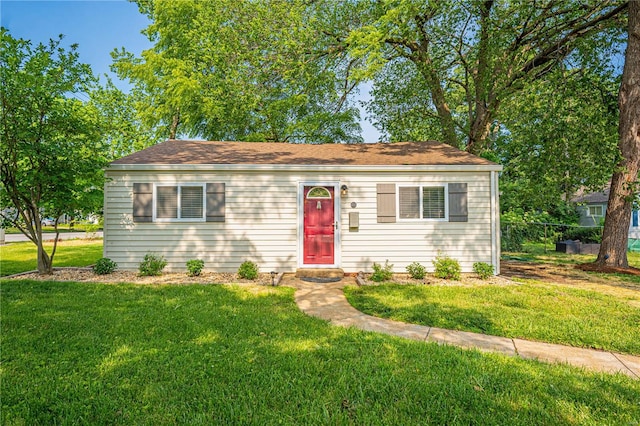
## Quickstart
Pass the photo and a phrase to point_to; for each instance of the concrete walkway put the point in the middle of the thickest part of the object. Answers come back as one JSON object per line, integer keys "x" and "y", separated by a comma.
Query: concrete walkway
{"x": 327, "y": 301}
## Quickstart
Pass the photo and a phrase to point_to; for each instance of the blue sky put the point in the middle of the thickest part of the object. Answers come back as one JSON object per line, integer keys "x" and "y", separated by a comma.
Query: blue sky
{"x": 98, "y": 27}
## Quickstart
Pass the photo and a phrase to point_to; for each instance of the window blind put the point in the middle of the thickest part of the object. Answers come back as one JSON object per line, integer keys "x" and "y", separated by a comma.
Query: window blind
{"x": 167, "y": 202}
{"x": 433, "y": 202}
{"x": 409, "y": 202}
{"x": 191, "y": 206}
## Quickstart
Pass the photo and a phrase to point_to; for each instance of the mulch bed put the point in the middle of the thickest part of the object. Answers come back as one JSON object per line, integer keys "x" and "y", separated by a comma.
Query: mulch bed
{"x": 87, "y": 275}
{"x": 509, "y": 269}
{"x": 467, "y": 280}
{"x": 594, "y": 267}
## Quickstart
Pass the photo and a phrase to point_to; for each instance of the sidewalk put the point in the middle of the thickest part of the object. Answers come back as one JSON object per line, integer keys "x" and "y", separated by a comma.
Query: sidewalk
{"x": 327, "y": 301}
{"x": 16, "y": 238}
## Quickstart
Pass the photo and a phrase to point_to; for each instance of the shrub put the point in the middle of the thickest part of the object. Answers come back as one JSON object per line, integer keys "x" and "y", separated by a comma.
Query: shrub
{"x": 152, "y": 265}
{"x": 382, "y": 273}
{"x": 91, "y": 228}
{"x": 584, "y": 234}
{"x": 512, "y": 236}
{"x": 484, "y": 270}
{"x": 194, "y": 267}
{"x": 248, "y": 270}
{"x": 104, "y": 266}
{"x": 518, "y": 226}
{"x": 416, "y": 271}
{"x": 447, "y": 268}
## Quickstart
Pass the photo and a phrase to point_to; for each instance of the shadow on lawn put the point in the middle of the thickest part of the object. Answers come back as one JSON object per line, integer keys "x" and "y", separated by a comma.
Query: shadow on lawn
{"x": 445, "y": 316}
{"x": 566, "y": 274}
{"x": 223, "y": 354}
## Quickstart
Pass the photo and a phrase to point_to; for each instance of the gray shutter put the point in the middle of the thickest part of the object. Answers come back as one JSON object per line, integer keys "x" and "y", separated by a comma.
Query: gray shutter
{"x": 386, "y": 202}
{"x": 458, "y": 202}
{"x": 142, "y": 202}
{"x": 215, "y": 202}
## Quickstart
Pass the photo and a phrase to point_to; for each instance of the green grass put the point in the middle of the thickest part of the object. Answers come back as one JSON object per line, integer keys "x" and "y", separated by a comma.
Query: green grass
{"x": 541, "y": 253}
{"x": 192, "y": 354}
{"x": 22, "y": 257}
{"x": 534, "y": 311}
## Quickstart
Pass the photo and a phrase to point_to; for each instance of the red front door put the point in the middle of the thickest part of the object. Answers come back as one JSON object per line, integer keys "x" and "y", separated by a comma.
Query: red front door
{"x": 318, "y": 225}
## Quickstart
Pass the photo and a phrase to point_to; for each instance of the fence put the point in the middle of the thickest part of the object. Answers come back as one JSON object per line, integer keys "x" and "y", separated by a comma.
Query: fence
{"x": 514, "y": 234}
{"x": 633, "y": 245}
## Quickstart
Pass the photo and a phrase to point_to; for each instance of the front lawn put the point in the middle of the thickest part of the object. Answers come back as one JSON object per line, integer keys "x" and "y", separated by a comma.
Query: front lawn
{"x": 212, "y": 354}
{"x": 533, "y": 310}
{"x": 22, "y": 257}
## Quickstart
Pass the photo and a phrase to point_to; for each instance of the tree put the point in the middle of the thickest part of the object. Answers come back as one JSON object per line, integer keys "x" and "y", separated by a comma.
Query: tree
{"x": 470, "y": 57}
{"x": 398, "y": 105}
{"x": 241, "y": 70}
{"x": 121, "y": 130}
{"x": 50, "y": 157}
{"x": 562, "y": 137}
{"x": 624, "y": 182}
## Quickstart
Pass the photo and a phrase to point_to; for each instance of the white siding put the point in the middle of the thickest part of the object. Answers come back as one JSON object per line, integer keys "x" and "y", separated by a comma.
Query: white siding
{"x": 404, "y": 242}
{"x": 262, "y": 221}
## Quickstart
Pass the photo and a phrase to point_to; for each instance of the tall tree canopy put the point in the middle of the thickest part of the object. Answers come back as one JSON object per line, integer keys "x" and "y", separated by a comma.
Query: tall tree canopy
{"x": 558, "y": 135}
{"x": 458, "y": 62}
{"x": 283, "y": 70}
{"x": 121, "y": 128}
{"x": 624, "y": 183}
{"x": 51, "y": 155}
{"x": 479, "y": 75}
{"x": 241, "y": 70}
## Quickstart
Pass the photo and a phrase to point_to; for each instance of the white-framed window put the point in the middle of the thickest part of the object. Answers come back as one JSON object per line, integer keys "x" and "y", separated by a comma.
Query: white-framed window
{"x": 319, "y": 192}
{"x": 422, "y": 202}
{"x": 596, "y": 211}
{"x": 179, "y": 202}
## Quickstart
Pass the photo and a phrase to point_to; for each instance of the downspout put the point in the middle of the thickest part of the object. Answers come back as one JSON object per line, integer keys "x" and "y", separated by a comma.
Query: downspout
{"x": 105, "y": 212}
{"x": 495, "y": 224}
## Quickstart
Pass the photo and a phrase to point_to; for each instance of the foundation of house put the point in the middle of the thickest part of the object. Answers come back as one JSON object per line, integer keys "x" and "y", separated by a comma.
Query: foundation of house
{"x": 319, "y": 273}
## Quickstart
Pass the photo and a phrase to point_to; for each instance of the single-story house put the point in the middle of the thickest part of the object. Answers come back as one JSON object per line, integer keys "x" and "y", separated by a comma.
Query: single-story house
{"x": 293, "y": 206}
{"x": 592, "y": 207}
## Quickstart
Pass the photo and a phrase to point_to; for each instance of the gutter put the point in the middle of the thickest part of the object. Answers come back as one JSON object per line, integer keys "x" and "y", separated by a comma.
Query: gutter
{"x": 304, "y": 168}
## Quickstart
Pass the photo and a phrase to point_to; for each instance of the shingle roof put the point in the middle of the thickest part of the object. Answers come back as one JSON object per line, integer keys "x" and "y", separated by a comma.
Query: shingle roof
{"x": 599, "y": 197}
{"x": 208, "y": 152}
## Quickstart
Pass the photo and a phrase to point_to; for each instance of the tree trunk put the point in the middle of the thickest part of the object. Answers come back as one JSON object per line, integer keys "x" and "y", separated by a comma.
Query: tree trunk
{"x": 613, "y": 251}
{"x": 446, "y": 121}
{"x": 45, "y": 265}
{"x": 447, "y": 124}
{"x": 479, "y": 131}
{"x": 173, "y": 128}
{"x": 481, "y": 112}
{"x": 45, "y": 262}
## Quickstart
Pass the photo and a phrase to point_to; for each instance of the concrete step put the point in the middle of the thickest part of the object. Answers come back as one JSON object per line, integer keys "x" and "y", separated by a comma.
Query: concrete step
{"x": 319, "y": 273}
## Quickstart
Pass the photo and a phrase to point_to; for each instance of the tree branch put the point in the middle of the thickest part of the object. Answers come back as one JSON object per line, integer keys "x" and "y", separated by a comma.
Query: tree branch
{"x": 559, "y": 49}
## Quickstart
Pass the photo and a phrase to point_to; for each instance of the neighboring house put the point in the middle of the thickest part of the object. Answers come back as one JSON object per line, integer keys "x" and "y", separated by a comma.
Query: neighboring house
{"x": 289, "y": 206}
{"x": 592, "y": 207}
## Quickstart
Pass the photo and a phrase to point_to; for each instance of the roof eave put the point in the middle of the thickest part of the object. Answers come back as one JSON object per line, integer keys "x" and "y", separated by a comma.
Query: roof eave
{"x": 305, "y": 167}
